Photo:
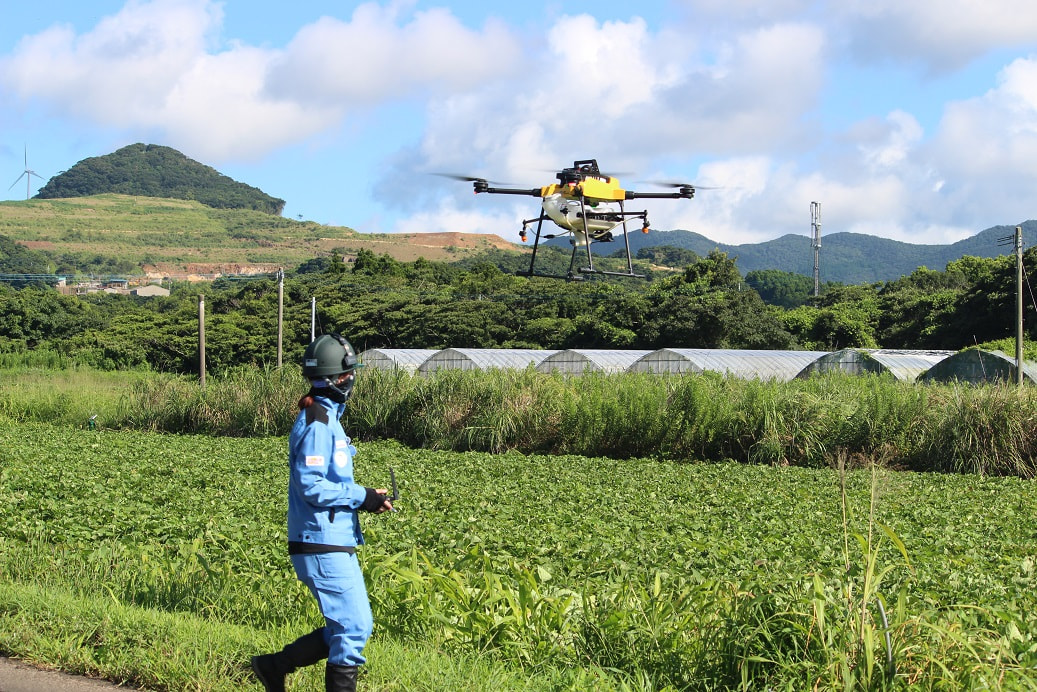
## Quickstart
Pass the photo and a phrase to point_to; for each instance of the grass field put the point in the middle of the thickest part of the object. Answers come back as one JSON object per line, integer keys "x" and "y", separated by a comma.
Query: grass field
{"x": 159, "y": 559}
{"x": 185, "y": 237}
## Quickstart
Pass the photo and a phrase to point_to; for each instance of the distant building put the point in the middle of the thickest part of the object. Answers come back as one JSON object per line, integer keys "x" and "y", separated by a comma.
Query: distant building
{"x": 149, "y": 291}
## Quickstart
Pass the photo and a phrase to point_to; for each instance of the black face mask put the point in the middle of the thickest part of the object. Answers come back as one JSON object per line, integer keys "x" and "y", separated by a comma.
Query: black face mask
{"x": 336, "y": 392}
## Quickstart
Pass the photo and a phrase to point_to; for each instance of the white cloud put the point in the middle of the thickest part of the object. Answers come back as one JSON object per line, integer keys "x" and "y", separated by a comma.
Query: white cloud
{"x": 218, "y": 109}
{"x": 607, "y": 66}
{"x": 888, "y": 143}
{"x": 120, "y": 70}
{"x": 148, "y": 70}
{"x": 374, "y": 57}
{"x": 889, "y": 177}
{"x": 940, "y": 34}
{"x": 151, "y": 70}
{"x": 774, "y": 10}
{"x": 604, "y": 90}
{"x": 721, "y": 92}
{"x": 986, "y": 151}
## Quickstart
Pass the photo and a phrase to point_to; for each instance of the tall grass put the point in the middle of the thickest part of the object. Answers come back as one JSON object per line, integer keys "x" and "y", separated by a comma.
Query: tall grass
{"x": 38, "y": 358}
{"x": 240, "y": 402}
{"x": 71, "y": 396}
{"x": 811, "y": 422}
{"x": 984, "y": 430}
{"x": 951, "y": 428}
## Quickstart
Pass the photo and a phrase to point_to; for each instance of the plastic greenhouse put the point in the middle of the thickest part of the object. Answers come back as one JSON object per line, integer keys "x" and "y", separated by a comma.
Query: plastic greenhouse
{"x": 903, "y": 365}
{"x": 747, "y": 364}
{"x": 484, "y": 359}
{"x": 408, "y": 359}
{"x": 579, "y": 361}
{"x": 976, "y": 366}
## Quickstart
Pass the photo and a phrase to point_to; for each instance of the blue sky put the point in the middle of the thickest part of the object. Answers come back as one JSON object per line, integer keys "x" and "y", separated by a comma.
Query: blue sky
{"x": 915, "y": 121}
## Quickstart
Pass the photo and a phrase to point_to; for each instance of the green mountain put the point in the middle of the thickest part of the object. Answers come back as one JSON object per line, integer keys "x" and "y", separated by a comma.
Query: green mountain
{"x": 149, "y": 170}
{"x": 849, "y": 258}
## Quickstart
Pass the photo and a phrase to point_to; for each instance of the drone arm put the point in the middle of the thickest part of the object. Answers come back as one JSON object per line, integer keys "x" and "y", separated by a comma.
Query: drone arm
{"x": 685, "y": 193}
{"x": 535, "y": 192}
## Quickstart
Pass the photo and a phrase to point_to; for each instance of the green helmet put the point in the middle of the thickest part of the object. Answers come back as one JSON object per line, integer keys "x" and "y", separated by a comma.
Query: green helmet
{"x": 327, "y": 356}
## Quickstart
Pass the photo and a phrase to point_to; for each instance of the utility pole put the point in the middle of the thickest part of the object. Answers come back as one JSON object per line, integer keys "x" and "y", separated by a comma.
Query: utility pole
{"x": 815, "y": 233}
{"x": 1019, "y": 305}
{"x": 1018, "y": 241}
{"x": 201, "y": 340}
{"x": 280, "y": 313}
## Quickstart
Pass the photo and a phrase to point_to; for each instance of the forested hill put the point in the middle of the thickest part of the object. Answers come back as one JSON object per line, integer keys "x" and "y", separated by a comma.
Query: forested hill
{"x": 150, "y": 170}
{"x": 849, "y": 258}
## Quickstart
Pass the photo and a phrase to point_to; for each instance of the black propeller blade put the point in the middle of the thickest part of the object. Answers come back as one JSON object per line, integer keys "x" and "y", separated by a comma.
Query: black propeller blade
{"x": 469, "y": 178}
{"x": 678, "y": 184}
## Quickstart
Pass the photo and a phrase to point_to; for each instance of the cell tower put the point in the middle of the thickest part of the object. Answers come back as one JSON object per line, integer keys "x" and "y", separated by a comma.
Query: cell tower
{"x": 815, "y": 235}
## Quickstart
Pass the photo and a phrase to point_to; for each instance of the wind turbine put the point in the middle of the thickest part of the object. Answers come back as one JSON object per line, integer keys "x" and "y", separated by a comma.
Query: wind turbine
{"x": 27, "y": 174}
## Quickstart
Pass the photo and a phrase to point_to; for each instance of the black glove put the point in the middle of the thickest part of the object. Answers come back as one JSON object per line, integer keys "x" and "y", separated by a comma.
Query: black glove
{"x": 373, "y": 502}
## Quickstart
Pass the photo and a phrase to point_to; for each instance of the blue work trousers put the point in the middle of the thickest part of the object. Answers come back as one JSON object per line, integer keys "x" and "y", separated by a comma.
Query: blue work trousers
{"x": 337, "y": 583}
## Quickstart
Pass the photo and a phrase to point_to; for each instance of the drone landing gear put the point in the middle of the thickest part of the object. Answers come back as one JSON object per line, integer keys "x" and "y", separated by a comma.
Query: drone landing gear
{"x": 588, "y": 270}
{"x": 588, "y": 236}
{"x": 621, "y": 219}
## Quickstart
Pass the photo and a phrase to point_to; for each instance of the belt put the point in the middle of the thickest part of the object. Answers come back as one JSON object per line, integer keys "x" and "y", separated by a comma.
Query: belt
{"x": 302, "y": 548}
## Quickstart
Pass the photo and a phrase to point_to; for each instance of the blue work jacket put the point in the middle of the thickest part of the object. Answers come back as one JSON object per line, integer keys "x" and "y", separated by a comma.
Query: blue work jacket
{"x": 322, "y": 495}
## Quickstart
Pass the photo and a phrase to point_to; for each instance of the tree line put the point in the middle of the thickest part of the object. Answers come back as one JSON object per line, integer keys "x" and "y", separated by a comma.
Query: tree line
{"x": 380, "y": 302}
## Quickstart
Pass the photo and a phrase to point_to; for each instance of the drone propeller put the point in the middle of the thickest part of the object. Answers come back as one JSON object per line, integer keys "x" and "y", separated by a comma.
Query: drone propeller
{"x": 457, "y": 176}
{"x": 469, "y": 178}
{"x": 678, "y": 184}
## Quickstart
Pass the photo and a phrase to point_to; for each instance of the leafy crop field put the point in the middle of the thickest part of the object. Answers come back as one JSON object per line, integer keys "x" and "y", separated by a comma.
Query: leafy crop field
{"x": 569, "y": 572}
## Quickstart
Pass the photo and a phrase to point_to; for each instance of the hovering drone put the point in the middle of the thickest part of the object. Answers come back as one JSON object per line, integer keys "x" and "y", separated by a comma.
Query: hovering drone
{"x": 588, "y": 206}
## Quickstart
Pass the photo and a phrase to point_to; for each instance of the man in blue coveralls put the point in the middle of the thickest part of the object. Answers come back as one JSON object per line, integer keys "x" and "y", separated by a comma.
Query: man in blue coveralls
{"x": 323, "y": 526}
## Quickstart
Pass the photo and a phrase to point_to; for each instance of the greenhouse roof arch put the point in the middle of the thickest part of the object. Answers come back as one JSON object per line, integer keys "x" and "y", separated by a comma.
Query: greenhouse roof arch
{"x": 746, "y": 364}
{"x": 581, "y": 360}
{"x": 409, "y": 359}
{"x": 484, "y": 359}
{"x": 904, "y": 365}
{"x": 976, "y": 366}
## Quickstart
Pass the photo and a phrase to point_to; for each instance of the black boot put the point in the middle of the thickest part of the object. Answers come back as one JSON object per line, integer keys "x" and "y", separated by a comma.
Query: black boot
{"x": 340, "y": 678}
{"x": 271, "y": 669}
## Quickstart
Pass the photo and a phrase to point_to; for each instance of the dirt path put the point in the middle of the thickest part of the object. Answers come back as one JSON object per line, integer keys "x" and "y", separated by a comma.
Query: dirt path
{"x": 16, "y": 676}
